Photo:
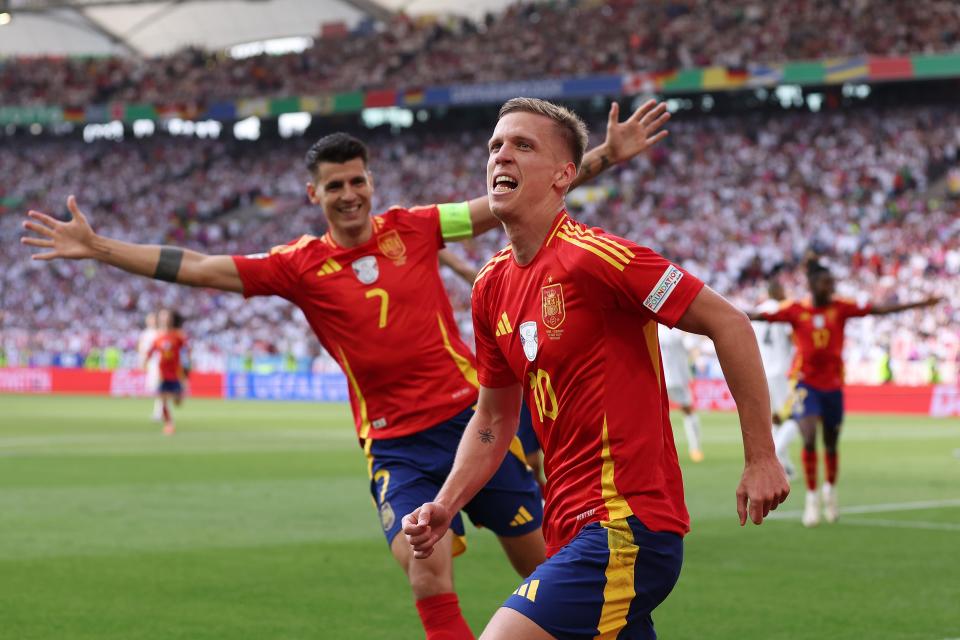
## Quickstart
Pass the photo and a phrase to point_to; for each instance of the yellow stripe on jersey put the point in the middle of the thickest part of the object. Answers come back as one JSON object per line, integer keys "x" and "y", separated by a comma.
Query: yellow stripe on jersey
{"x": 616, "y": 504}
{"x": 506, "y": 322}
{"x": 618, "y": 250}
{"x": 330, "y": 266}
{"x": 560, "y": 222}
{"x": 299, "y": 244}
{"x": 615, "y": 262}
{"x": 504, "y": 254}
{"x": 364, "y": 419}
{"x": 619, "y": 591}
{"x": 653, "y": 347}
{"x": 462, "y": 363}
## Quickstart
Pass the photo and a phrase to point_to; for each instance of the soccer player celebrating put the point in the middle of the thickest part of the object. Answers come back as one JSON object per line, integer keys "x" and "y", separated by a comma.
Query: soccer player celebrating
{"x": 776, "y": 352}
{"x": 818, "y": 325}
{"x": 585, "y": 306}
{"x": 170, "y": 345}
{"x": 676, "y": 377}
{"x": 371, "y": 290}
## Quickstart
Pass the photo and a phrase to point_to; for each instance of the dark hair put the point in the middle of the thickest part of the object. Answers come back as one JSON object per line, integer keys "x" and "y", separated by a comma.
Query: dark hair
{"x": 815, "y": 269}
{"x": 337, "y": 148}
{"x": 572, "y": 128}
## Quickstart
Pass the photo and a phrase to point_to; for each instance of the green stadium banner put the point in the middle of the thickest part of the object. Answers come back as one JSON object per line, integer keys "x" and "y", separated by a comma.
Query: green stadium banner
{"x": 804, "y": 73}
{"x": 139, "y": 112}
{"x": 30, "y": 115}
{"x": 686, "y": 80}
{"x": 936, "y": 66}
{"x": 348, "y": 102}
{"x": 285, "y": 105}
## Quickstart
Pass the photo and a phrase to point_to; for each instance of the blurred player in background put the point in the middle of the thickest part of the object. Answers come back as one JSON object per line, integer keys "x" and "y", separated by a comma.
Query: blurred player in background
{"x": 169, "y": 346}
{"x": 776, "y": 351}
{"x": 371, "y": 290}
{"x": 818, "y": 325}
{"x": 584, "y": 354}
{"x": 151, "y": 369}
{"x": 676, "y": 353}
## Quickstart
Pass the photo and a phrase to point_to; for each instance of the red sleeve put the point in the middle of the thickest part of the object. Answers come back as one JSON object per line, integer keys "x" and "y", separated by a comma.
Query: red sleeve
{"x": 784, "y": 314}
{"x": 638, "y": 278}
{"x": 853, "y": 310}
{"x": 273, "y": 274}
{"x": 492, "y": 368}
{"x": 425, "y": 219}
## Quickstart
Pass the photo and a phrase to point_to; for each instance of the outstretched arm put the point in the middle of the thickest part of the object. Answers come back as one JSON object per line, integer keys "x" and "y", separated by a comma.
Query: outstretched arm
{"x": 76, "y": 240}
{"x": 883, "y": 309}
{"x": 763, "y": 485}
{"x": 624, "y": 141}
{"x": 483, "y": 446}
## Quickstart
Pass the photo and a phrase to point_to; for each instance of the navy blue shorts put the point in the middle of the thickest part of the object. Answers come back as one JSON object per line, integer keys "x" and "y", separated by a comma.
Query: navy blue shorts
{"x": 525, "y": 431}
{"x": 603, "y": 583}
{"x": 408, "y": 471}
{"x": 170, "y": 386}
{"x": 826, "y": 405}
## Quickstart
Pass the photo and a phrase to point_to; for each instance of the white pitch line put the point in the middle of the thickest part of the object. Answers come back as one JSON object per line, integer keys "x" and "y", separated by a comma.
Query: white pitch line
{"x": 879, "y": 508}
{"x": 902, "y": 524}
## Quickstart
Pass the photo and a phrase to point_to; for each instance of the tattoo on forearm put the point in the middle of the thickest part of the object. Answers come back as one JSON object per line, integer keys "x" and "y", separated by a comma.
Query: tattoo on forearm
{"x": 486, "y": 436}
{"x": 168, "y": 266}
{"x": 592, "y": 169}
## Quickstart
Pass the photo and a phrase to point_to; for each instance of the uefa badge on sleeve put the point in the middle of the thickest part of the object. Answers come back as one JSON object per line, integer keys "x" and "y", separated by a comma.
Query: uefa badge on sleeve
{"x": 528, "y": 339}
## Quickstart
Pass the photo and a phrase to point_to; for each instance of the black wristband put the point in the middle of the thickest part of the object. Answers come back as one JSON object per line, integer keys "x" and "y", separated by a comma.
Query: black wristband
{"x": 168, "y": 266}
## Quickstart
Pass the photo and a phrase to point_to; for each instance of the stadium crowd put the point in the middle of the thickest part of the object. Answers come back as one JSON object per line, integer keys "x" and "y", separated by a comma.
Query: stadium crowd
{"x": 730, "y": 198}
{"x": 529, "y": 40}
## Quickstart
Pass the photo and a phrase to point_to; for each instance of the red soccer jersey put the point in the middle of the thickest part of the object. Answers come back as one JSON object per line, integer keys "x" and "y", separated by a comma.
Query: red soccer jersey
{"x": 818, "y": 334}
{"x": 577, "y": 327}
{"x": 169, "y": 344}
{"x": 381, "y": 311}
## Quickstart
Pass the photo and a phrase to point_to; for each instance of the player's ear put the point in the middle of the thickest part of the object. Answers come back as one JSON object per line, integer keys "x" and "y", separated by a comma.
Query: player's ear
{"x": 312, "y": 193}
{"x": 565, "y": 177}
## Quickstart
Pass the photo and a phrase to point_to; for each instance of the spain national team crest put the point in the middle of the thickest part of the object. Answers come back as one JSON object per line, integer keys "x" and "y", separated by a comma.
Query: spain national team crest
{"x": 528, "y": 339}
{"x": 552, "y": 298}
{"x": 366, "y": 269}
{"x": 392, "y": 246}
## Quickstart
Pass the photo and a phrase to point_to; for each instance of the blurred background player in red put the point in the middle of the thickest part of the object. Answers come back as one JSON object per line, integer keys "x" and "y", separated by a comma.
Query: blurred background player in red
{"x": 818, "y": 327}
{"x": 170, "y": 347}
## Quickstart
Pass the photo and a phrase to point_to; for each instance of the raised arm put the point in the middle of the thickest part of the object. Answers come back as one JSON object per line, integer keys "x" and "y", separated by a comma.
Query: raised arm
{"x": 624, "y": 141}
{"x": 76, "y": 240}
{"x": 483, "y": 446}
{"x": 763, "y": 485}
{"x": 883, "y": 309}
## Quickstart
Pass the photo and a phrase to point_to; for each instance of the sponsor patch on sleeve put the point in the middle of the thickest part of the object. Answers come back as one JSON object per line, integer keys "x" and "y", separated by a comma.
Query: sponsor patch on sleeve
{"x": 668, "y": 282}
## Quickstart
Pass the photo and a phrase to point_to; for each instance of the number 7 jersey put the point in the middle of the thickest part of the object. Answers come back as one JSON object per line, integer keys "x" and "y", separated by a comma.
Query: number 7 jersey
{"x": 381, "y": 311}
{"x": 577, "y": 327}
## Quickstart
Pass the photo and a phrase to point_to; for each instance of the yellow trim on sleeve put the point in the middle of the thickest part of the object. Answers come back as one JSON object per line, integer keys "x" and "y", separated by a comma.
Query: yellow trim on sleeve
{"x": 619, "y": 266}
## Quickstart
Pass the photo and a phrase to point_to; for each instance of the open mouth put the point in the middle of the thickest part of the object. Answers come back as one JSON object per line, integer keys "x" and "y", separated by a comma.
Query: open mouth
{"x": 504, "y": 184}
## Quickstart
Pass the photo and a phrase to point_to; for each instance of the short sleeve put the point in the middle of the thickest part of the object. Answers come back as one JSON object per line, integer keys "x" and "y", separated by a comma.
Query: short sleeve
{"x": 273, "y": 274}
{"x": 493, "y": 371}
{"x": 636, "y": 277}
{"x": 851, "y": 309}
{"x": 426, "y": 220}
{"x": 783, "y": 314}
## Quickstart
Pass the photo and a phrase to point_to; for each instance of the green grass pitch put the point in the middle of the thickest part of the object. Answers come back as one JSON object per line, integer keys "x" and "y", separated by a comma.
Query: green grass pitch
{"x": 255, "y": 521}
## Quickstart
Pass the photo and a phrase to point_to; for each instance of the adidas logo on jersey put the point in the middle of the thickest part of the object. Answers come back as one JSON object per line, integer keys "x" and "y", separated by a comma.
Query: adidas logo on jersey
{"x": 504, "y": 327}
{"x": 330, "y": 266}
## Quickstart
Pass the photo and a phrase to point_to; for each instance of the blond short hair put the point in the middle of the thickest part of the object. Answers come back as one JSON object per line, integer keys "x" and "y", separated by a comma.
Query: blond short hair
{"x": 572, "y": 128}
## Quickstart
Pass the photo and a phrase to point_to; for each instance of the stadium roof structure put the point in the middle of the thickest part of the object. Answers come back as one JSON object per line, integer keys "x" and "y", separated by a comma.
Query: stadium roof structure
{"x": 147, "y": 28}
